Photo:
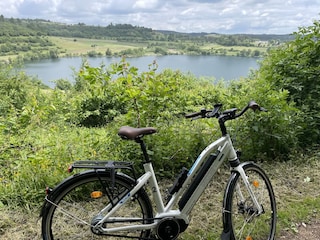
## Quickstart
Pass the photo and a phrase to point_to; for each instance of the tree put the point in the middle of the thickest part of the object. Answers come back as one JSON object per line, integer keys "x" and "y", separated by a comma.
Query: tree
{"x": 53, "y": 53}
{"x": 256, "y": 53}
{"x": 160, "y": 50}
{"x": 63, "y": 84}
{"x": 108, "y": 52}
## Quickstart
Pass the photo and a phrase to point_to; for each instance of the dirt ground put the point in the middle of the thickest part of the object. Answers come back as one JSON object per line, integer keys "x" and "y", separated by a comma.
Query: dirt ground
{"x": 305, "y": 182}
{"x": 23, "y": 229}
{"x": 304, "y": 231}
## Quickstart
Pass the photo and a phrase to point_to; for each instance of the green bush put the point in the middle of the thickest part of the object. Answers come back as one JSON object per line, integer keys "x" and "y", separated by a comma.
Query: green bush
{"x": 263, "y": 135}
{"x": 63, "y": 84}
{"x": 39, "y": 157}
{"x": 295, "y": 67}
{"x": 12, "y": 89}
{"x": 97, "y": 97}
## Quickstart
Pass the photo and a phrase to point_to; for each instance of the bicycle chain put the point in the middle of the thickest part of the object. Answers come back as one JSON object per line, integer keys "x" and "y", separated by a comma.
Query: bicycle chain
{"x": 124, "y": 236}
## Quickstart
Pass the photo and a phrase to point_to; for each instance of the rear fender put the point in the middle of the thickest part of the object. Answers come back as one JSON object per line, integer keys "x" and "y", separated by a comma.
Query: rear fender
{"x": 51, "y": 193}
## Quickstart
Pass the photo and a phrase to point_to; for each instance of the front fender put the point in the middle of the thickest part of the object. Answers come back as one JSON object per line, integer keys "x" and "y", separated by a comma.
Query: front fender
{"x": 226, "y": 234}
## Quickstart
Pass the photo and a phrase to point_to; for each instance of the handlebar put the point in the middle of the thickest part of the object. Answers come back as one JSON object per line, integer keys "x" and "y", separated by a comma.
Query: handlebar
{"x": 225, "y": 115}
{"x": 205, "y": 113}
{"x": 254, "y": 106}
{"x": 230, "y": 112}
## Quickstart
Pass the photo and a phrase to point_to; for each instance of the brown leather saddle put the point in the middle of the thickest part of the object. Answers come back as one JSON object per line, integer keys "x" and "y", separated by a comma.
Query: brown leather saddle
{"x": 131, "y": 133}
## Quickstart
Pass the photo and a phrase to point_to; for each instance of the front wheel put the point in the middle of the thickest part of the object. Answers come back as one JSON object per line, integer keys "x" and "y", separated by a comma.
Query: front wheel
{"x": 240, "y": 215}
{"x": 73, "y": 207}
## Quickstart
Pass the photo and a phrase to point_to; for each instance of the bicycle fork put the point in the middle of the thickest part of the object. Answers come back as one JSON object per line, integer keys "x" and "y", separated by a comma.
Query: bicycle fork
{"x": 241, "y": 193}
{"x": 244, "y": 177}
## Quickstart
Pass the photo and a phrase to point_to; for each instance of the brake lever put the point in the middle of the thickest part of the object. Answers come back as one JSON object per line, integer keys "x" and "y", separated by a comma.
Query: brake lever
{"x": 255, "y": 106}
{"x": 195, "y": 118}
{"x": 262, "y": 109}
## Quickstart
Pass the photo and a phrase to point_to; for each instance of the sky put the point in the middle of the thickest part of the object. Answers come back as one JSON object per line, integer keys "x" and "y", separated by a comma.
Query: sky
{"x": 218, "y": 16}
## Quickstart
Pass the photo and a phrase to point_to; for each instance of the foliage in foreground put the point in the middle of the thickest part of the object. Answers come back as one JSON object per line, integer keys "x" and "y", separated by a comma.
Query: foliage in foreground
{"x": 296, "y": 68}
{"x": 44, "y": 130}
{"x": 49, "y": 129}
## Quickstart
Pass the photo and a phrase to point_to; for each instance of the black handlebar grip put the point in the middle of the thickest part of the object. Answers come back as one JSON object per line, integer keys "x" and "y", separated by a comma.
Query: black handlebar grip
{"x": 202, "y": 113}
{"x": 191, "y": 115}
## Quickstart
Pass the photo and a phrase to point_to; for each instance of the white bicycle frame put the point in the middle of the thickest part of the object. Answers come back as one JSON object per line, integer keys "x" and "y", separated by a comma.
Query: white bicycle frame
{"x": 223, "y": 149}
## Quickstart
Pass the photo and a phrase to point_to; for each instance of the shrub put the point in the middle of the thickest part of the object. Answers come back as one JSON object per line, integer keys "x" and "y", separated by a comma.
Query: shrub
{"x": 263, "y": 135}
{"x": 13, "y": 89}
{"x": 295, "y": 67}
{"x": 63, "y": 84}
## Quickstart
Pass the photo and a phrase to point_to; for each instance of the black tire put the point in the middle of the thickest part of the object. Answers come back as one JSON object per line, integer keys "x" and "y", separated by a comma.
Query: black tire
{"x": 74, "y": 197}
{"x": 239, "y": 218}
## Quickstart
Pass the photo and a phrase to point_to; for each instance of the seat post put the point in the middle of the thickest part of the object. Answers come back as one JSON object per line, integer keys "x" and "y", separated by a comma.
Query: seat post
{"x": 144, "y": 149}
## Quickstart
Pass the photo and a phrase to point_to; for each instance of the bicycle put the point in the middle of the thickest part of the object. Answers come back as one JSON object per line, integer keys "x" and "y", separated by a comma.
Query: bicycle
{"x": 108, "y": 200}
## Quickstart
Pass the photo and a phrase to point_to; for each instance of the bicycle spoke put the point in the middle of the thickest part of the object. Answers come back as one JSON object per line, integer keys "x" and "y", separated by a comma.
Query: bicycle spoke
{"x": 249, "y": 218}
{"x": 74, "y": 213}
{"x": 246, "y": 220}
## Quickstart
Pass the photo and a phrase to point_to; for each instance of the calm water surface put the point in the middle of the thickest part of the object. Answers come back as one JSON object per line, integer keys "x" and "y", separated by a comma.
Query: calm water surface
{"x": 217, "y": 67}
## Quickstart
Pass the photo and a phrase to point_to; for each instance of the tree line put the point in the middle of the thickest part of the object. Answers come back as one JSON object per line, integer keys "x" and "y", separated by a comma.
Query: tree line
{"x": 28, "y": 39}
{"x": 121, "y": 32}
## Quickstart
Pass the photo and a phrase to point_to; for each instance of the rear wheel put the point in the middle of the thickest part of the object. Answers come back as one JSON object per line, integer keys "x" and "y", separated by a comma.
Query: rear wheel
{"x": 241, "y": 217}
{"x": 74, "y": 206}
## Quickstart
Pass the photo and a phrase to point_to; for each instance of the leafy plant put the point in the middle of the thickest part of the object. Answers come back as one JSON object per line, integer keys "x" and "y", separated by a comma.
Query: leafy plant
{"x": 295, "y": 67}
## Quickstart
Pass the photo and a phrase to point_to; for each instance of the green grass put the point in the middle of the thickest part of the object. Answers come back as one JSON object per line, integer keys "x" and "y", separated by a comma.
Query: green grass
{"x": 80, "y": 46}
{"x": 298, "y": 201}
{"x": 297, "y": 198}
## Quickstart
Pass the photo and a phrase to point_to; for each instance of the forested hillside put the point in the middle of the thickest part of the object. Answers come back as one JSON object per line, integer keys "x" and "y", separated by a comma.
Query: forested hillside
{"x": 30, "y": 39}
{"x": 126, "y": 32}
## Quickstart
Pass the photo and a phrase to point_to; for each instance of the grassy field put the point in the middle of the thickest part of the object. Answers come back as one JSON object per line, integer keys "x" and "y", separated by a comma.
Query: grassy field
{"x": 234, "y": 50}
{"x": 77, "y": 47}
{"x": 80, "y": 46}
{"x": 296, "y": 187}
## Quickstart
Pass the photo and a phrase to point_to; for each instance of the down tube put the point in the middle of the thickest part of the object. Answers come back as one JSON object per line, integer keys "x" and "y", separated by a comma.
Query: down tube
{"x": 202, "y": 179}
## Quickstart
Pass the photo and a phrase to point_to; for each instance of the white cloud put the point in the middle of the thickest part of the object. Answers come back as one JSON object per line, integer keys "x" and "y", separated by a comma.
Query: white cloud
{"x": 187, "y": 11}
{"x": 226, "y": 11}
{"x": 145, "y": 4}
{"x": 9, "y": 7}
{"x": 224, "y": 16}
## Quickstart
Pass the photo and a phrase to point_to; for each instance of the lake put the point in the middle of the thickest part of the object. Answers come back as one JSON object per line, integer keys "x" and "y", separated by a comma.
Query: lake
{"x": 217, "y": 67}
